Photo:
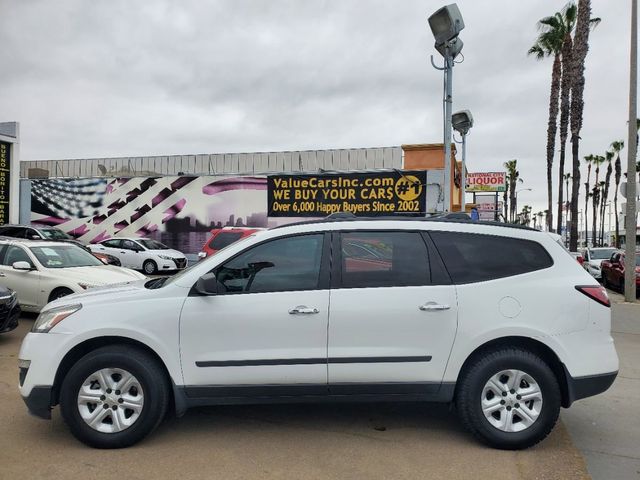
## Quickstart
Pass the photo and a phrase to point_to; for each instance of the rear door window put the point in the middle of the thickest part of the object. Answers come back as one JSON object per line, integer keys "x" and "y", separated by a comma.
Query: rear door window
{"x": 383, "y": 259}
{"x": 471, "y": 257}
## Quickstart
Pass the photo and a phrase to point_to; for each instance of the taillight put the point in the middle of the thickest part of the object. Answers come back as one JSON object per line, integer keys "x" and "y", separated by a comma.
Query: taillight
{"x": 597, "y": 293}
{"x": 580, "y": 260}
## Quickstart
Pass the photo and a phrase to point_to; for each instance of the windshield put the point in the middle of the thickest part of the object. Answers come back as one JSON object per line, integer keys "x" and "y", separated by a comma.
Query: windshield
{"x": 153, "y": 245}
{"x": 55, "y": 234}
{"x": 64, "y": 256}
{"x": 602, "y": 254}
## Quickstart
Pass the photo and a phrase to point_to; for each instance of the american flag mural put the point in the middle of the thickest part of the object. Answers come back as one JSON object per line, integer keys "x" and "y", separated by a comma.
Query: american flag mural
{"x": 94, "y": 209}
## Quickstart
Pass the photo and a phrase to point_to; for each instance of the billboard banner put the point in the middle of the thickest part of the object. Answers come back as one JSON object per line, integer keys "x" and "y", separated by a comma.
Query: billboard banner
{"x": 486, "y": 182}
{"x": 360, "y": 193}
{"x": 5, "y": 181}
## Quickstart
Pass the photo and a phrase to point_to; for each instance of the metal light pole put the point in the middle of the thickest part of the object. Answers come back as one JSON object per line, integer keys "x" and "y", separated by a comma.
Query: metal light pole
{"x": 630, "y": 219}
{"x": 446, "y": 23}
{"x": 462, "y": 122}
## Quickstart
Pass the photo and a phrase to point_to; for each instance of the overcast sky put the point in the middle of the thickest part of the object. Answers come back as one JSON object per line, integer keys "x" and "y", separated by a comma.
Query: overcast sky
{"x": 122, "y": 78}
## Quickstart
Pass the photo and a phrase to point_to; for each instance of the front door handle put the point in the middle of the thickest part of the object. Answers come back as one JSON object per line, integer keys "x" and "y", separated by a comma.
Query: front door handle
{"x": 303, "y": 310}
{"x": 433, "y": 307}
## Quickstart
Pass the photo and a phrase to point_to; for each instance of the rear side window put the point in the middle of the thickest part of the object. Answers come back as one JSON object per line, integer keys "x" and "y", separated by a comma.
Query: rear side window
{"x": 471, "y": 257}
{"x": 224, "y": 239}
{"x": 383, "y": 259}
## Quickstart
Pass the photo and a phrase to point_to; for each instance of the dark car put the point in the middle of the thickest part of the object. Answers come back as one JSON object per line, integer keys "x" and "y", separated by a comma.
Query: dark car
{"x": 9, "y": 310}
{"x": 32, "y": 232}
{"x": 613, "y": 271}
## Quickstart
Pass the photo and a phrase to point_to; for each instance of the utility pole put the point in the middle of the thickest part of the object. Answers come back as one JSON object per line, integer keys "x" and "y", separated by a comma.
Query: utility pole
{"x": 632, "y": 145}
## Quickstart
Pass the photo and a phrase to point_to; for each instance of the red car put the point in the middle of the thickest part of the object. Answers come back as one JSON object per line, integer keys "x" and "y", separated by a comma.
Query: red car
{"x": 222, "y": 237}
{"x": 613, "y": 271}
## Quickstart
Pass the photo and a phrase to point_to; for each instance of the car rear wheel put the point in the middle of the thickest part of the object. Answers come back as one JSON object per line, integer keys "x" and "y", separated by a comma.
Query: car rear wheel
{"x": 509, "y": 399}
{"x": 114, "y": 396}
{"x": 149, "y": 267}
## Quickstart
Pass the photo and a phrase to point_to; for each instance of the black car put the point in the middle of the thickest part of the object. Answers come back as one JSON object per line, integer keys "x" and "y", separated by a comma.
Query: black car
{"x": 9, "y": 310}
{"x": 32, "y": 232}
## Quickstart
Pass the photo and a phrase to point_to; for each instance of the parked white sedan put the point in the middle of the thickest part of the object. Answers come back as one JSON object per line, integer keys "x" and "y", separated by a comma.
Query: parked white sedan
{"x": 40, "y": 271}
{"x": 143, "y": 254}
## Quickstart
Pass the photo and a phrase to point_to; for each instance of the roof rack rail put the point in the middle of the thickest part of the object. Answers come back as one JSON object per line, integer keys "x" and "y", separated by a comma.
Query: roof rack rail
{"x": 451, "y": 217}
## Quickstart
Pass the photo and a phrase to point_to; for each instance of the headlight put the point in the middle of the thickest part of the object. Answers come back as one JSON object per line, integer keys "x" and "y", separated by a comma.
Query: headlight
{"x": 164, "y": 257}
{"x": 84, "y": 286}
{"x": 50, "y": 318}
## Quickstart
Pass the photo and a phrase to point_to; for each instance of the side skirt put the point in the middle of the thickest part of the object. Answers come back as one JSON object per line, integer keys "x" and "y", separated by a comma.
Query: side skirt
{"x": 196, "y": 396}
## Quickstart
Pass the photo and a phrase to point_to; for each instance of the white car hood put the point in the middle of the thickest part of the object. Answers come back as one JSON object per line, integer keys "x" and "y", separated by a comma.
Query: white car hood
{"x": 99, "y": 275}
{"x": 96, "y": 293}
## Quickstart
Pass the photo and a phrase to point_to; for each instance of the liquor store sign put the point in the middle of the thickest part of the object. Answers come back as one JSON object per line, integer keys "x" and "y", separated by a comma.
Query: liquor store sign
{"x": 5, "y": 181}
{"x": 360, "y": 193}
{"x": 487, "y": 182}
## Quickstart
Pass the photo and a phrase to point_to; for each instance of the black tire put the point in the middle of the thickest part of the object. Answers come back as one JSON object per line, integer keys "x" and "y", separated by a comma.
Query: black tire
{"x": 469, "y": 396}
{"x": 143, "y": 367}
{"x": 149, "y": 267}
{"x": 59, "y": 293}
{"x": 605, "y": 283}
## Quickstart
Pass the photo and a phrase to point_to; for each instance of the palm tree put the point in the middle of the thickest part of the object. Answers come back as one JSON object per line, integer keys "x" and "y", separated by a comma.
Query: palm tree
{"x": 566, "y": 177}
{"x": 505, "y": 200}
{"x": 513, "y": 177}
{"x": 605, "y": 193}
{"x": 578, "y": 56}
{"x": 588, "y": 160}
{"x": 617, "y": 146}
{"x": 595, "y": 200}
{"x": 549, "y": 43}
{"x": 597, "y": 160}
{"x": 539, "y": 215}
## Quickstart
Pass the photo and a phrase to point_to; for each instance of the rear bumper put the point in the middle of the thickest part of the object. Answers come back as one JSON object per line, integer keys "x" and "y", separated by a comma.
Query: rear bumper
{"x": 588, "y": 386}
{"x": 39, "y": 401}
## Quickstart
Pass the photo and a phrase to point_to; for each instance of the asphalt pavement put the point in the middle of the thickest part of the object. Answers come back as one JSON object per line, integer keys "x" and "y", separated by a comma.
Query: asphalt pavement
{"x": 606, "y": 428}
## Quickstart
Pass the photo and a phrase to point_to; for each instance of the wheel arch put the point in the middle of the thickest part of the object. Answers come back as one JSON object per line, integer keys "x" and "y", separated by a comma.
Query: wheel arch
{"x": 81, "y": 349}
{"x": 55, "y": 289}
{"x": 536, "y": 347}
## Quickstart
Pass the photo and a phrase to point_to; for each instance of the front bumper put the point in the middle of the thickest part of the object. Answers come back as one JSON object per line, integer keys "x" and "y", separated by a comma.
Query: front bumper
{"x": 40, "y": 401}
{"x": 588, "y": 386}
{"x": 9, "y": 315}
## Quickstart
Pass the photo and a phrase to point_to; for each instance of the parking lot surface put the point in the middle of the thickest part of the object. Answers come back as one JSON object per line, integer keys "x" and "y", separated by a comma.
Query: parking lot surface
{"x": 339, "y": 441}
{"x": 606, "y": 428}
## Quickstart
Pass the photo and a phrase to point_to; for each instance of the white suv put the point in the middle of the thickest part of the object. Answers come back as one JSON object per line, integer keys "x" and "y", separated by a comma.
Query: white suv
{"x": 499, "y": 320}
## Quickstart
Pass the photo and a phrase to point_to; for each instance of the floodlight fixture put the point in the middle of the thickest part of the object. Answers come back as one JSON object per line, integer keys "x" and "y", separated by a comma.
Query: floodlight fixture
{"x": 462, "y": 121}
{"x": 446, "y": 23}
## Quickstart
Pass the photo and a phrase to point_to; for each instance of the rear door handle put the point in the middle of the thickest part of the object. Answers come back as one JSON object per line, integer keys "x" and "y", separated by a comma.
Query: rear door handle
{"x": 433, "y": 307}
{"x": 303, "y": 310}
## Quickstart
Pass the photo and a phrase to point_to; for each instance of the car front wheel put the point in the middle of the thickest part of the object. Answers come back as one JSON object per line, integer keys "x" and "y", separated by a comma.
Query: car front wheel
{"x": 149, "y": 267}
{"x": 509, "y": 399}
{"x": 114, "y": 396}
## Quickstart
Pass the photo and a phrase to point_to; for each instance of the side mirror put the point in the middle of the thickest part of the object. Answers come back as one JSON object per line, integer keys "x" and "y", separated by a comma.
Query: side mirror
{"x": 207, "y": 285}
{"x": 23, "y": 266}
